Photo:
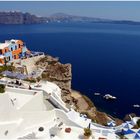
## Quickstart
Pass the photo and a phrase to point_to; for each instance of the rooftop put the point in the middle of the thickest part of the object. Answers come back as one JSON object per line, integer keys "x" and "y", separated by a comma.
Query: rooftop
{"x": 7, "y": 43}
{"x": 4, "y": 45}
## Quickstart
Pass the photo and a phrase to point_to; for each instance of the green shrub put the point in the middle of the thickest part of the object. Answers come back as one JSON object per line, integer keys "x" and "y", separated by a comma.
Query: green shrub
{"x": 87, "y": 132}
{"x": 2, "y": 88}
{"x": 5, "y": 67}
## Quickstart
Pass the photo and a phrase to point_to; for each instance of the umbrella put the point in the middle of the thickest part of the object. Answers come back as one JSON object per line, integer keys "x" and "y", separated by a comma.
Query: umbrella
{"x": 6, "y": 73}
{"x": 9, "y": 73}
{"x": 128, "y": 125}
{"x": 132, "y": 133}
{"x": 13, "y": 74}
{"x": 111, "y": 123}
{"x": 89, "y": 125}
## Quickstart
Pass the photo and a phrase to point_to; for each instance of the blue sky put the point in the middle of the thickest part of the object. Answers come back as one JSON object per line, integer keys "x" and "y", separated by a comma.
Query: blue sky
{"x": 103, "y": 9}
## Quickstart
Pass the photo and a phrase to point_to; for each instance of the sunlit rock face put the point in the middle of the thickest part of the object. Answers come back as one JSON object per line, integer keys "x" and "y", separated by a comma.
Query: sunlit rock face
{"x": 57, "y": 72}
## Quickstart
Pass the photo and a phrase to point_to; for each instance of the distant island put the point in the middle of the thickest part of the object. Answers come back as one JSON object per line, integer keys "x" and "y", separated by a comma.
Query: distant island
{"x": 14, "y": 17}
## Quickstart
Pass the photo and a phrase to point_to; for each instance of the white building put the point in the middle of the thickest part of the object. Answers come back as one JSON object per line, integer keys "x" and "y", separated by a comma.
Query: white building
{"x": 26, "y": 114}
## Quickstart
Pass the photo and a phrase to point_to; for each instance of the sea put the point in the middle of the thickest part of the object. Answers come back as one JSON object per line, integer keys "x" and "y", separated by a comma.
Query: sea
{"x": 105, "y": 58}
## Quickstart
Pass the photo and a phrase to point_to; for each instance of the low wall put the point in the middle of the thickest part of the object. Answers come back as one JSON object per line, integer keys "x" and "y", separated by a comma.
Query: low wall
{"x": 63, "y": 116}
{"x": 21, "y": 91}
{"x": 36, "y": 103}
{"x": 58, "y": 104}
{"x": 34, "y": 59}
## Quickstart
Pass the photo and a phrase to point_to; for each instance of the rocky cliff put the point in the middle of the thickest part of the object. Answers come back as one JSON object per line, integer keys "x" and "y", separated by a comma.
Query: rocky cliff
{"x": 57, "y": 73}
{"x": 19, "y": 18}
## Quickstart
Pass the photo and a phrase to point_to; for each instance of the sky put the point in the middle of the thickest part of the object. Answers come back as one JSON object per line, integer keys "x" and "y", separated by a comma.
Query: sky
{"x": 118, "y": 10}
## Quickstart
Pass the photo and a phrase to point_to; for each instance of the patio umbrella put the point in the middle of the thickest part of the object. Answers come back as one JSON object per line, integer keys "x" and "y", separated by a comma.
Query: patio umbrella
{"x": 7, "y": 73}
{"x": 111, "y": 123}
{"x": 132, "y": 133}
{"x": 13, "y": 74}
{"x": 128, "y": 125}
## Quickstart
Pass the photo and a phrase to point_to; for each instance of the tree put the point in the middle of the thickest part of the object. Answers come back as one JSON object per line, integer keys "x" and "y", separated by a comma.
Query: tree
{"x": 138, "y": 123}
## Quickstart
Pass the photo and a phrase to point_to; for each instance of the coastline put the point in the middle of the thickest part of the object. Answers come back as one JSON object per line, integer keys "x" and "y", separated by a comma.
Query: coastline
{"x": 86, "y": 106}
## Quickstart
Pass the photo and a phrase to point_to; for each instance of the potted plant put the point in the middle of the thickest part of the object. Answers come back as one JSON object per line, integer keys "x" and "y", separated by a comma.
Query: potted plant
{"x": 87, "y": 133}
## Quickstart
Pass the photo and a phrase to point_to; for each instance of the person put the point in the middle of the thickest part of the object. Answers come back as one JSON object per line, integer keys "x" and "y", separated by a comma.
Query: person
{"x": 20, "y": 83}
{"x": 17, "y": 82}
{"x": 30, "y": 87}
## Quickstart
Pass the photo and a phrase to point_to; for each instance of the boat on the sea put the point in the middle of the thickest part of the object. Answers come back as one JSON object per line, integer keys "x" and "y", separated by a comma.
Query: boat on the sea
{"x": 97, "y": 94}
{"x": 108, "y": 96}
{"x": 136, "y": 106}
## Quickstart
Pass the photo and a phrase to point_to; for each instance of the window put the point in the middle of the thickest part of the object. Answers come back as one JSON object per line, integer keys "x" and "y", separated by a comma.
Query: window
{"x": 8, "y": 58}
{"x": 0, "y": 51}
{"x": 14, "y": 56}
{"x": 13, "y": 42}
{"x": 15, "y": 47}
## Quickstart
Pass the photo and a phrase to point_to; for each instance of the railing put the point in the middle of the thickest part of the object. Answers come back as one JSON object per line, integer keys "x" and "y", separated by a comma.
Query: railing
{"x": 56, "y": 102}
{"x": 36, "y": 54}
{"x": 115, "y": 129}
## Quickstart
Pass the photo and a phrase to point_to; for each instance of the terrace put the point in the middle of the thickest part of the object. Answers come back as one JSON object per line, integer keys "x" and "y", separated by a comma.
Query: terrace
{"x": 30, "y": 101}
{"x": 24, "y": 99}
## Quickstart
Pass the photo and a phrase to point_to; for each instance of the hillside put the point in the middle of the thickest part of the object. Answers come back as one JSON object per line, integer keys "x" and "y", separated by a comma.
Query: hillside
{"x": 19, "y": 18}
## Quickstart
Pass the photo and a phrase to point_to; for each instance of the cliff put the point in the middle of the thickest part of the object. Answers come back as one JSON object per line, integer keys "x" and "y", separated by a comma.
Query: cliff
{"x": 57, "y": 73}
{"x": 61, "y": 75}
{"x": 19, "y": 18}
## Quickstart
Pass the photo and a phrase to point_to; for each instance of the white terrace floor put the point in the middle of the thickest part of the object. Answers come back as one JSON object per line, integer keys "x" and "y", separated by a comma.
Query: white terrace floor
{"x": 18, "y": 100}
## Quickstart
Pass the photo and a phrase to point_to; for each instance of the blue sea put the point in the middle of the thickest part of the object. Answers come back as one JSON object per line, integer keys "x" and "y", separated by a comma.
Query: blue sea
{"x": 105, "y": 58}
